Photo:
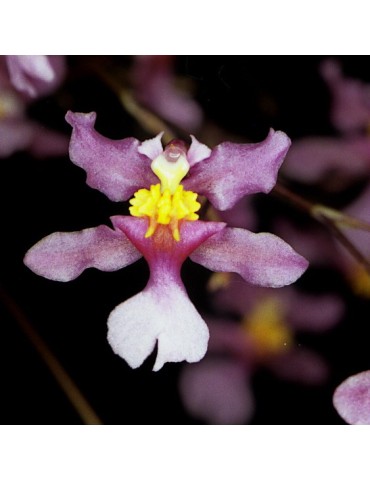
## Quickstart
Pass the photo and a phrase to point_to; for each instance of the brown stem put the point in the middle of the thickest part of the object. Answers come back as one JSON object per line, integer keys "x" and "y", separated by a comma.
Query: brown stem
{"x": 330, "y": 218}
{"x": 66, "y": 383}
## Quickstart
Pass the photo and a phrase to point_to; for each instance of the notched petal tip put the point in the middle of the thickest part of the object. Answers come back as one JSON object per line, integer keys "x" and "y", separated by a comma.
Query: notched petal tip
{"x": 76, "y": 118}
{"x": 162, "y": 312}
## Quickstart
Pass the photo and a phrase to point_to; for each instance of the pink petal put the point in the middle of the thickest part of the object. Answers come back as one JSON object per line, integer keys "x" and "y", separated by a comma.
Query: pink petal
{"x": 36, "y": 74}
{"x": 217, "y": 391}
{"x": 115, "y": 167}
{"x": 63, "y": 256}
{"x": 197, "y": 151}
{"x": 352, "y": 399}
{"x": 152, "y": 148}
{"x": 235, "y": 170}
{"x": 311, "y": 158}
{"x": 350, "y": 98}
{"x": 262, "y": 259}
{"x": 161, "y": 312}
{"x": 155, "y": 87}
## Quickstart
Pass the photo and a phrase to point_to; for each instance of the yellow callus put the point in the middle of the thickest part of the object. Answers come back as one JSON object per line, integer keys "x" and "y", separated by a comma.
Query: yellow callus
{"x": 266, "y": 326}
{"x": 164, "y": 208}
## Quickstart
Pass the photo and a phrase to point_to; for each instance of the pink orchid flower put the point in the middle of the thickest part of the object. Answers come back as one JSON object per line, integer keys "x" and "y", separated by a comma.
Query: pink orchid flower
{"x": 218, "y": 389}
{"x": 352, "y": 399}
{"x": 165, "y": 230}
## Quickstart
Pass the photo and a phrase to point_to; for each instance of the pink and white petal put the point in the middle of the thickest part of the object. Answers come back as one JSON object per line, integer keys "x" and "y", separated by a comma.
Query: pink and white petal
{"x": 310, "y": 159}
{"x": 161, "y": 312}
{"x": 36, "y": 75}
{"x": 352, "y": 399}
{"x": 314, "y": 313}
{"x": 63, "y": 256}
{"x": 260, "y": 258}
{"x": 15, "y": 135}
{"x": 300, "y": 365}
{"x": 115, "y": 167}
{"x": 217, "y": 391}
{"x": 197, "y": 151}
{"x": 235, "y": 170}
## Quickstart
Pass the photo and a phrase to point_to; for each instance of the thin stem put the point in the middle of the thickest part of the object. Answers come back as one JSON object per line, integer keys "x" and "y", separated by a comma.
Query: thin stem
{"x": 66, "y": 383}
{"x": 330, "y": 218}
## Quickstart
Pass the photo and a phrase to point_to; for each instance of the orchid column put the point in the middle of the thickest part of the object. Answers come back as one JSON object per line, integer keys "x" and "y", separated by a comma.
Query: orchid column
{"x": 164, "y": 228}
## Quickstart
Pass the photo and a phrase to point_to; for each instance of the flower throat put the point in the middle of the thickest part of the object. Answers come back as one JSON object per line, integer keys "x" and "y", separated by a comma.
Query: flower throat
{"x": 167, "y": 203}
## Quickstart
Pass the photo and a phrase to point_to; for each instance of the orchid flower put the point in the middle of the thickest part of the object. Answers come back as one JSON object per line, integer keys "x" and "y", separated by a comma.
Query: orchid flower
{"x": 165, "y": 230}
{"x": 352, "y": 399}
{"x": 36, "y": 75}
{"x": 218, "y": 389}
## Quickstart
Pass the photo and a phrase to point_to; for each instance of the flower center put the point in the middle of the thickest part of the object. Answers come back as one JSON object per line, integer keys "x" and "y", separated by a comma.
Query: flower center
{"x": 266, "y": 326}
{"x": 167, "y": 203}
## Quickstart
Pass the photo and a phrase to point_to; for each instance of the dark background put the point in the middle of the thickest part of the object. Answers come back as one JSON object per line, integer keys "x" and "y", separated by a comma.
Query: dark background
{"x": 244, "y": 96}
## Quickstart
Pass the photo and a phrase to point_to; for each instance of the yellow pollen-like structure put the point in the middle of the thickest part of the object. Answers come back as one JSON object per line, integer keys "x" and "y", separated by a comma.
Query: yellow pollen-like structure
{"x": 165, "y": 208}
{"x": 266, "y": 326}
{"x": 167, "y": 203}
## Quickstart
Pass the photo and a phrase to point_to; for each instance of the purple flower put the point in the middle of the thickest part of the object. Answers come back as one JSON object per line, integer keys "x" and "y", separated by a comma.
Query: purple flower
{"x": 218, "y": 389}
{"x": 36, "y": 75}
{"x": 352, "y": 399}
{"x": 165, "y": 230}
